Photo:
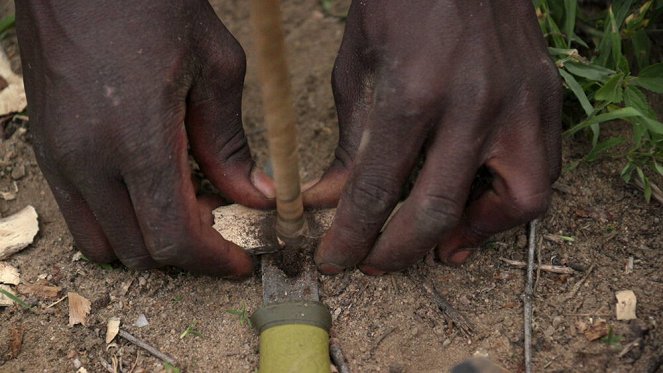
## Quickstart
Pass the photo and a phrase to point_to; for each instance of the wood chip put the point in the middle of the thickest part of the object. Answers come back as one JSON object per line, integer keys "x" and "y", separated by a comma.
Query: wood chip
{"x": 15, "y": 341}
{"x": 39, "y": 291}
{"x": 79, "y": 308}
{"x": 5, "y": 301}
{"x": 112, "y": 328}
{"x": 626, "y": 302}
{"x": 18, "y": 231}
{"x": 598, "y": 330}
{"x": 9, "y": 274}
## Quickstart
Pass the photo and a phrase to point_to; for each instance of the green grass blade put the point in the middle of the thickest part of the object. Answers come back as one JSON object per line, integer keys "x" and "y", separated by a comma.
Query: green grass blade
{"x": 6, "y": 23}
{"x": 592, "y": 72}
{"x": 16, "y": 299}
{"x": 570, "y": 7}
{"x": 626, "y": 112}
{"x": 577, "y": 90}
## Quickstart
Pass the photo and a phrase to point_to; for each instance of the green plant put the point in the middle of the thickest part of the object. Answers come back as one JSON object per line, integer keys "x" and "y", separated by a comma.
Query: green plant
{"x": 15, "y": 298}
{"x": 243, "y": 316}
{"x": 611, "y": 339}
{"x": 190, "y": 331}
{"x": 6, "y": 24}
{"x": 170, "y": 368}
{"x": 597, "y": 53}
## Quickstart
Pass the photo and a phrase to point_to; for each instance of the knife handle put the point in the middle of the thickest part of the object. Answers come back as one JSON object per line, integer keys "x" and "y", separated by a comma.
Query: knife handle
{"x": 294, "y": 337}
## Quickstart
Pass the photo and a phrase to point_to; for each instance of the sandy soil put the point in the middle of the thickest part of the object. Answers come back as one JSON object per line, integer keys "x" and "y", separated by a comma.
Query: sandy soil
{"x": 384, "y": 324}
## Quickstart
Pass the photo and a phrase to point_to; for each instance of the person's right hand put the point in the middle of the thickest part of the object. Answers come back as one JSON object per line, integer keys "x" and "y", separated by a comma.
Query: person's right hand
{"x": 116, "y": 93}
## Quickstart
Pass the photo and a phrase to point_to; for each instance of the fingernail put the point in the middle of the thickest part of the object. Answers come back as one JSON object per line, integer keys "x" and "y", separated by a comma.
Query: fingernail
{"x": 263, "y": 183}
{"x": 330, "y": 268}
{"x": 371, "y": 271}
{"x": 459, "y": 257}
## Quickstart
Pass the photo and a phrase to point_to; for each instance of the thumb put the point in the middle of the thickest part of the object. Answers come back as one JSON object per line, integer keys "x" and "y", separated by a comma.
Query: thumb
{"x": 214, "y": 126}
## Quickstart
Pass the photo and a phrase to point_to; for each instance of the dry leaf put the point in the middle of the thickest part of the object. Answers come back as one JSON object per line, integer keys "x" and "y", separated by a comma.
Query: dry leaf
{"x": 597, "y": 330}
{"x": 626, "y": 302}
{"x": 5, "y": 301}
{"x": 9, "y": 274}
{"x": 12, "y": 97}
{"x": 15, "y": 341}
{"x": 79, "y": 308}
{"x": 39, "y": 291}
{"x": 17, "y": 231}
{"x": 112, "y": 328}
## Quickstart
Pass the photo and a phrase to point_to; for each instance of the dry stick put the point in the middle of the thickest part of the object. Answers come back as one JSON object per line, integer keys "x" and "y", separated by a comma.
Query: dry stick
{"x": 279, "y": 116}
{"x": 447, "y": 309}
{"x": 147, "y": 347}
{"x": 527, "y": 296}
{"x": 337, "y": 356}
{"x": 543, "y": 267}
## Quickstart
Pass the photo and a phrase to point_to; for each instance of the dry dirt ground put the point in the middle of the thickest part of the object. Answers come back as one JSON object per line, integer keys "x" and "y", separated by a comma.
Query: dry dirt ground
{"x": 384, "y": 324}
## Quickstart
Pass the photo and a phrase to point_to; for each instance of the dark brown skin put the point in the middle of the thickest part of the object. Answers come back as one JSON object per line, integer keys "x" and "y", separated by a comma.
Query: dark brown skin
{"x": 466, "y": 82}
{"x": 116, "y": 94}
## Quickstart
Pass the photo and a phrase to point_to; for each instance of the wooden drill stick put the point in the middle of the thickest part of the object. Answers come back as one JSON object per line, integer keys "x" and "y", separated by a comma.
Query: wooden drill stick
{"x": 279, "y": 117}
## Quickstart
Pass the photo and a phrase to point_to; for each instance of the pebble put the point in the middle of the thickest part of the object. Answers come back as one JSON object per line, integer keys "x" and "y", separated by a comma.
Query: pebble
{"x": 18, "y": 172}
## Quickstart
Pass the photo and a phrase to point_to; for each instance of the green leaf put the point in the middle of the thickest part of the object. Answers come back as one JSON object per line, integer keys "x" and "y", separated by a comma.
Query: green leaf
{"x": 635, "y": 98}
{"x": 612, "y": 90}
{"x": 653, "y": 125}
{"x": 627, "y": 171}
{"x": 570, "y": 7}
{"x": 591, "y": 71}
{"x": 615, "y": 38}
{"x": 658, "y": 167}
{"x": 577, "y": 90}
{"x": 651, "y": 78}
{"x": 641, "y": 47}
{"x": 602, "y": 147}
{"x": 646, "y": 186}
{"x": 621, "y": 113}
{"x": 6, "y": 23}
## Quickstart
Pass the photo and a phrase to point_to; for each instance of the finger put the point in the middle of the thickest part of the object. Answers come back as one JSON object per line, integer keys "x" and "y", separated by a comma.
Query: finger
{"x": 109, "y": 199}
{"x": 389, "y": 147}
{"x": 520, "y": 192}
{"x": 436, "y": 201}
{"x": 353, "y": 92}
{"x": 214, "y": 123}
{"x": 88, "y": 235}
{"x": 171, "y": 219}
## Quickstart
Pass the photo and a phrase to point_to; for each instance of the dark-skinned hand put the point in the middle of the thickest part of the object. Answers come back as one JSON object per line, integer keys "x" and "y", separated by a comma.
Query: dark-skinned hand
{"x": 117, "y": 93}
{"x": 466, "y": 83}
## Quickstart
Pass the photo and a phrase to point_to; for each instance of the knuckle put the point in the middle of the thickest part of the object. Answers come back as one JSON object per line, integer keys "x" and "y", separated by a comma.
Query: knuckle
{"x": 530, "y": 203}
{"x": 437, "y": 210}
{"x": 373, "y": 195}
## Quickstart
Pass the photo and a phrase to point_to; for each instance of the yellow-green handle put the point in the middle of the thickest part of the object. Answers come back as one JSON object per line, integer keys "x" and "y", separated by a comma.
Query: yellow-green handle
{"x": 294, "y": 348}
{"x": 294, "y": 337}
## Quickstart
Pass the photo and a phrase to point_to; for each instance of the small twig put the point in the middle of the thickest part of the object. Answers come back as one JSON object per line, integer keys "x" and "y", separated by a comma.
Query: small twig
{"x": 527, "y": 296}
{"x": 147, "y": 347}
{"x": 543, "y": 267}
{"x": 447, "y": 309}
{"x": 629, "y": 347}
{"x": 578, "y": 284}
{"x": 106, "y": 365}
{"x": 538, "y": 267}
{"x": 56, "y": 302}
{"x": 381, "y": 338}
{"x": 337, "y": 356}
